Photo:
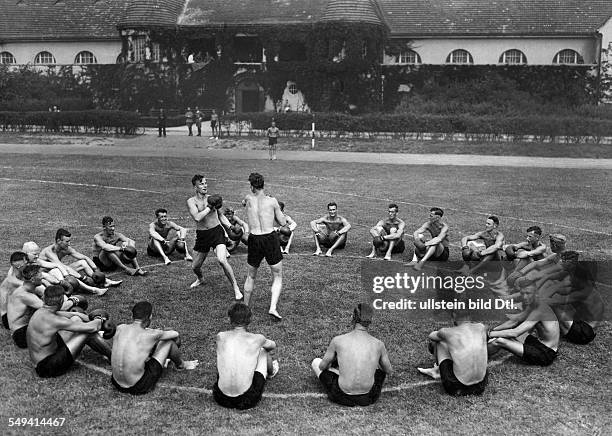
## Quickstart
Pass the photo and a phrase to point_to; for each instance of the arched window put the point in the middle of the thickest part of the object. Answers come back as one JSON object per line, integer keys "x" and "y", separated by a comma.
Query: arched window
{"x": 44, "y": 58}
{"x": 513, "y": 57}
{"x": 7, "y": 58}
{"x": 459, "y": 56}
{"x": 408, "y": 57}
{"x": 293, "y": 89}
{"x": 85, "y": 57}
{"x": 568, "y": 56}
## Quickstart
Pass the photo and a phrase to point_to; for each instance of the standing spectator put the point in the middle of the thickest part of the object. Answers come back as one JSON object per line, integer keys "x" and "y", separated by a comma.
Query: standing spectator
{"x": 272, "y": 133}
{"x": 189, "y": 120}
{"x": 198, "y": 120}
{"x": 161, "y": 123}
{"x": 214, "y": 124}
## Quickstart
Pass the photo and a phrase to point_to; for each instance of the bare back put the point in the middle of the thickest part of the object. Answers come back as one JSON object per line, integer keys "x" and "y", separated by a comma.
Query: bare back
{"x": 358, "y": 355}
{"x": 20, "y": 306}
{"x": 132, "y": 346}
{"x": 8, "y": 285}
{"x": 262, "y": 211}
{"x": 467, "y": 345}
{"x": 237, "y": 354}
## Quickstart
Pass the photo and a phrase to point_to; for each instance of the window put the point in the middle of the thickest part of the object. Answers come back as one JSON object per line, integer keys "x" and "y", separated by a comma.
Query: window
{"x": 85, "y": 57}
{"x": 459, "y": 56}
{"x": 44, "y": 58}
{"x": 144, "y": 50}
{"x": 568, "y": 56}
{"x": 293, "y": 89}
{"x": 408, "y": 57}
{"x": 513, "y": 57}
{"x": 7, "y": 58}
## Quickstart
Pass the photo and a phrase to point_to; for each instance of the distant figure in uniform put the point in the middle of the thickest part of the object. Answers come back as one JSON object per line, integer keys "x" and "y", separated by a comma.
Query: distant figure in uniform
{"x": 238, "y": 230}
{"x": 487, "y": 247}
{"x": 244, "y": 362}
{"x": 214, "y": 124}
{"x": 330, "y": 231}
{"x": 165, "y": 237}
{"x": 198, "y": 120}
{"x": 285, "y": 241}
{"x": 272, "y": 134}
{"x": 387, "y": 234}
{"x": 436, "y": 249}
{"x": 189, "y": 120}
{"x": 161, "y": 123}
{"x": 110, "y": 250}
{"x": 355, "y": 365}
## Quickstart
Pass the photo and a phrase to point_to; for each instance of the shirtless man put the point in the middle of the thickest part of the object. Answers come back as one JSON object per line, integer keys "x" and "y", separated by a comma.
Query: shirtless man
{"x": 436, "y": 249}
{"x": 165, "y": 237}
{"x": 12, "y": 281}
{"x": 527, "y": 251}
{"x": 284, "y": 239}
{"x": 387, "y": 234}
{"x": 461, "y": 356}
{"x": 262, "y": 211}
{"x": 244, "y": 361}
{"x": 109, "y": 250}
{"x": 234, "y": 236}
{"x": 492, "y": 241}
{"x": 362, "y": 363}
{"x": 83, "y": 268}
{"x": 206, "y": 211}
{"x": 140, "y": 353}
{"x": 55, "y": 338}
{"x": 22, "y": 303}
{"x": 51, "y": 274}
{"x": 330, "y": 231}
{"x": 513, "y": 335}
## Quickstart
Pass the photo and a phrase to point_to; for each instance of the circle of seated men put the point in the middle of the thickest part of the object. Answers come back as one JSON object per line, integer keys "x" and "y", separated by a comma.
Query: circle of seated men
{"x": 39, "y": 305}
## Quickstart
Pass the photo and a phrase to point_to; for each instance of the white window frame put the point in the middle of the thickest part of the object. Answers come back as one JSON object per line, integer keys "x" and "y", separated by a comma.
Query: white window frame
{"x": 453, "y": 56}
{"x": 508, "y": 57}
{"x": 38, "y": 59}
{"x": 577, "y": 58}
{"x": 7, "y": 58}
{"x": 408, "y": 57}
{"x": 85, "y": 57}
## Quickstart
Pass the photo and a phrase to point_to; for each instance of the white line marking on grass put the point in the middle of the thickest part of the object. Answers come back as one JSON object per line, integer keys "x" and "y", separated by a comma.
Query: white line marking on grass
{"x": 196, "y": 390}
{"x": 88, "y": 185}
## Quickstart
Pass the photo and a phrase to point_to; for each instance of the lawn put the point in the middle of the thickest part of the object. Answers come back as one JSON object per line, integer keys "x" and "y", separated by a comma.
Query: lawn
{"x": 39, "y": 193}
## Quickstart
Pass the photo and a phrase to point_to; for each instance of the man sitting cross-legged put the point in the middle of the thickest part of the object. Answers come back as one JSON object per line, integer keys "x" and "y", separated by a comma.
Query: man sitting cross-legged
{"x": 387, "y": 234}
{"x": 165, "y": 237}
{"x": 55, "y": 338}
{"x": 513, "y": 335}
{"x": 244, "y": 361}
{"x": 363, "y": 364}
{"x": 139, "y": 353}
{"x": 461, "y": 356}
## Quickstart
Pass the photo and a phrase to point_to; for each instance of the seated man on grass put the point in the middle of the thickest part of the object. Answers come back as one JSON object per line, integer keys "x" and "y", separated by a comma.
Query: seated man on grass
{"x": 22, "y": 303}
{"x": 244, "y": 362}
{"x": 387, "y": 235}
{"x": 286, "y": 237}
{"x": 140, "y": 353}
{"x": 13, "y": 279}
{"x": 435, "y": 249}
{"x": 491, "y": 242}
{"x": 330, "y": 231}
{"x": 165, "y": 237}
{"x": 114, "y": 250}
{"x": 362, "y": 363}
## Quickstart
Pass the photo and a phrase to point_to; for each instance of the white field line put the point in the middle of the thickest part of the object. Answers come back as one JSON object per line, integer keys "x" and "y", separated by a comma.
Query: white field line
{"x": 88, "y": 185}
{"x": 196, "y": 390}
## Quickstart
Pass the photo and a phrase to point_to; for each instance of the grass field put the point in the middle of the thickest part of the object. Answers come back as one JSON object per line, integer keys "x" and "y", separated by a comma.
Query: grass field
{"x": 39, "y": 193}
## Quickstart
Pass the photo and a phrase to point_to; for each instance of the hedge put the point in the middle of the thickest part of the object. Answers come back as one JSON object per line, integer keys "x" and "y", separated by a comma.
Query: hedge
{"x": 92, "y": 121}
{"x": 176, "y": 121}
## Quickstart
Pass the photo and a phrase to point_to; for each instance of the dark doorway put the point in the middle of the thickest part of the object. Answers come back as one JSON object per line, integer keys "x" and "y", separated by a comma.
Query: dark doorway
{"x": 250, "y": 101}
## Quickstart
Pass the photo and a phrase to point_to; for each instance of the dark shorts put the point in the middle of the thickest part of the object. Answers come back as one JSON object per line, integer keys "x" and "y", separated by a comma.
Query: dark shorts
{"x": 453, "y": 386}
{"x": 247, "y": 400}
{"x": 19, "y": 337}
{"x": 329, "y": 379}
{"x": 5, "y": 321}
{"x": 580, "y": 333}
{"x": 261, "y": 246}
{"x": 327, "y": 242}
{"x": 152, "y": 372}
{"x": 536, "y": 353}
{"x": 213, "y": 123}
{"x": 58, "y": 363}
{"x": 399, "y": 247}
{"x": 102, "y": 267}
{"x": 210, "y": 238}
{"x": 443, "y": 257}
{"x": 272, "y": 141}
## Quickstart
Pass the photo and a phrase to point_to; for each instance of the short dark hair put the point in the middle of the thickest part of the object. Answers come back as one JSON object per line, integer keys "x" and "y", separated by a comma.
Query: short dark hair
{"x": 362, "y": 314}
{"x": 160, "y": 210}
{"x": 239, "y": 314}
{"x": 30, "y": 271}
{"x": 17, "y": 256}
{"x": 228, "y": 211}
{"x": 142, "y": 310}
{"x": 53, "y": 295}
{"x": 393, "y": 205}
{"x": 281, "y": 205}
{"x": 437, "y": 211}
{"x": 195, "y": 179}
{"x": 61, "y": 233}
{"x": 535, "y": 229}
{"x": 256, "y": 180}
{"x": 332, "y": 203}
{"x": 494, "y": 219}
{"x": 107, "y": 220}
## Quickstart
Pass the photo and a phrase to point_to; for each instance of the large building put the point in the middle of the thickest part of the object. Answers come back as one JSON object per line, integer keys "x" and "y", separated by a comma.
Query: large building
{"x": 256, "y": 34}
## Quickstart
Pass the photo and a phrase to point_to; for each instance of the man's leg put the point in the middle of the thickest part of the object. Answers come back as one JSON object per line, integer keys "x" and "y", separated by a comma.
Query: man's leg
{"x": 441, "y": 353}
{"x": 169, "y": 350}
{"x": 277, "y": 286}
{"x": 198, "y": 259}
{"x": 221, "y": 252}
{"x": 317, "y": 244}
{"x": 181, "y": 245}
{"x": 156, "y": 247}
{"x": 81, "y": 265}
{"x": 288, "y": 244}
{"x": 249, "y": 284}
{"x": 431, "y": 250}
{"x": 515, "y": 346}
{"x": 341, "y": 239}
{"x": 110, "y": 258}
{"x": 390, "y": 249}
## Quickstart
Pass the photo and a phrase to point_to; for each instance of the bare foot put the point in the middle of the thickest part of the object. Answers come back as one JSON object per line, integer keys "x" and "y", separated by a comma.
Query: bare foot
{"x": 188, "y": 257}
{"x": 141, "y": 272}
{"x": 387, "y": 257}
{"x": 101, "y": 291}
{"x": 130, "y": 271}
{"x": 274, "y": 314}
{"x": 418, "y": 266}
{"x": 329, "y": 253}
{"x": 371, "y": 255}
{"x": 197, "y": 283}
{"x": 238, "y": 295}
{"x": 317, "y": 253}
{"x": 431, "y": 372}
{"x": 189, "y": 364}
{"x": 167, "y": 261}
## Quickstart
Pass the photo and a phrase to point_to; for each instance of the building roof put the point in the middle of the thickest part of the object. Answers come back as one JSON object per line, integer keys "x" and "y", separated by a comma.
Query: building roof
{"x": 147, "y": 13}
{"x": 363, "y": 11}
{"x": 494, "y": 17}
{"x": 59, "y": 19}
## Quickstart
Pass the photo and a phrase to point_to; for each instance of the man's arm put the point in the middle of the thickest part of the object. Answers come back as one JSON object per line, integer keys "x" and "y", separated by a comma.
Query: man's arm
{"x": 398, "y": 234}
{"x": 243, "y": 224}
{"x": 69, "y": 315}
{"x": 378, "y": 224}
{"x": 384, "y": 361}
{"x": 278, "y": 214}
{"x": 420, "y": 230}
{"x": 31, "y": 300}
{"x": 329, "y": 356}
{"x": 499, "y": 243}
{"x": 165, "y": 335}
{"x": 80, "y": 256}
{"x": 437, "y": 335}
{"x": 153, "y": 233}
{"x": 524, "y": 327}
{"x": 346, "y": 226}
{"x": 49, "y": 256}
{"x": 473, "y": 237}
{"x": 512, "y": 322}
{"x": 104, "y": 245}
{"x": 536, "y": 251}
{"x": 223, "y": 219}
{"x": 292, "y": 224}
{"x": 268, "y": 345}
{"x": 314, "y": 223}
{"x": 439, "y": 238}
{"x": 195, "y": 213}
